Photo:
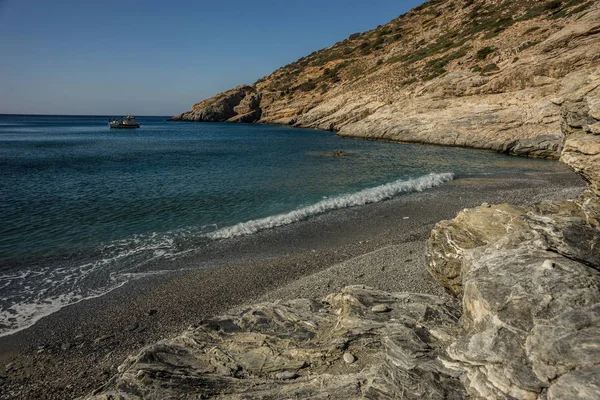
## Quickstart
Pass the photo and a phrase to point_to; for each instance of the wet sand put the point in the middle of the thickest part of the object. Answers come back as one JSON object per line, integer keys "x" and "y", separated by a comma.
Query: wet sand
{"x": 74, "y": 350}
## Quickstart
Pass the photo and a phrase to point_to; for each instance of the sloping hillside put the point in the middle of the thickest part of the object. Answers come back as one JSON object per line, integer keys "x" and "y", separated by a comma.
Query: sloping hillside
{"x": 478, "y": 73}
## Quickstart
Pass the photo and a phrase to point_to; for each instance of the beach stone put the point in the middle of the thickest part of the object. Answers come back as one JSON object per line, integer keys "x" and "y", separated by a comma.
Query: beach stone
{"x": 349, "y": 358}
{"x": 380, "y": 308}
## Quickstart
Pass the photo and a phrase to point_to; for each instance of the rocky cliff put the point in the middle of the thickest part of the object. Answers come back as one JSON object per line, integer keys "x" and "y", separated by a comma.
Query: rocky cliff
{"x": 524, "y": 323}
{"x": 478, "y": 73}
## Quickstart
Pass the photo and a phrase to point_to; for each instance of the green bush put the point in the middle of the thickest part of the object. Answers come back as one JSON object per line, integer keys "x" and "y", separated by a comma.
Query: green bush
{"x": 307, "y": 86}
{"x": 553, "y": 5}
{"x": 483, "y": 53}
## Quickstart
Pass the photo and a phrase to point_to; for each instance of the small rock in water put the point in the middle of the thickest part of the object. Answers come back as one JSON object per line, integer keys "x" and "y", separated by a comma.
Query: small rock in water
{"x": 485, "y": 205}
{"x": 152, "y": 312}
{"x": 65, "y": 346}
{"x": 349, "y": 358}
{"x": 405, "y": 217}
{"x": 285, "y": 375}
{"x": 380, "y": 308}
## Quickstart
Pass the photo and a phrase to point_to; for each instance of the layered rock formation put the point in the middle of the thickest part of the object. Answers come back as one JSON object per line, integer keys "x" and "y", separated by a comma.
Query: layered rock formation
{"x": 473, "y": 73}
{"x": 360, "y": 342}
{"x": 525, "y": 323}
{"x": 529, "y": 279}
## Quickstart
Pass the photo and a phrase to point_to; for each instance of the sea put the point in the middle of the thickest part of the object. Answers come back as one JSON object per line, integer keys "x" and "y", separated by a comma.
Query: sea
{"x": 85, "y": 209}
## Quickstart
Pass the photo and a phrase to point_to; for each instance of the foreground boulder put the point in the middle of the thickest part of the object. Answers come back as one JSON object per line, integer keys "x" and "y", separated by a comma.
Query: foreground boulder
{"x": 355, "y": 344}
{"x": 529, "y": 279}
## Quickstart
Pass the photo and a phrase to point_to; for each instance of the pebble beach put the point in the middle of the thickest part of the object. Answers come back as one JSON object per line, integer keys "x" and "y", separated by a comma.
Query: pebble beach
{"x": 75, "y": 350}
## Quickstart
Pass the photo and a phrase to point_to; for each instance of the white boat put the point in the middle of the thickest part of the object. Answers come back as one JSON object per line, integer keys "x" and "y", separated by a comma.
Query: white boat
{"x": 127, "y": 122}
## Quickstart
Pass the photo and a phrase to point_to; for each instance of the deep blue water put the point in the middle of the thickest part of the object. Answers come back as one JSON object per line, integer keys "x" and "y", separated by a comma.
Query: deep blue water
{"x": 112, "y": 199}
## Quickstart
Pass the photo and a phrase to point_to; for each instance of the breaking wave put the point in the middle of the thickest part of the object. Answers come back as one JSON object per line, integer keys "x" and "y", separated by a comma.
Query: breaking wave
{"x": 365, "y": 196}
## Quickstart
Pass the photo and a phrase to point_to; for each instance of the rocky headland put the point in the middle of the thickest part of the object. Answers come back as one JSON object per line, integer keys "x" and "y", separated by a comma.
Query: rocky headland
{"x": 473, "y": 73}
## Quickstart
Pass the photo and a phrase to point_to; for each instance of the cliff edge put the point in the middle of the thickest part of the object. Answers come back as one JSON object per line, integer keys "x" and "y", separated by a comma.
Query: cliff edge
{"x": 474, "y": 73}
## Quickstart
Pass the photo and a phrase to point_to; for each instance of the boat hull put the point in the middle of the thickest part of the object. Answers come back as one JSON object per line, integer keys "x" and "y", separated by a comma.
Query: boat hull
{"x": 123, "y": 126}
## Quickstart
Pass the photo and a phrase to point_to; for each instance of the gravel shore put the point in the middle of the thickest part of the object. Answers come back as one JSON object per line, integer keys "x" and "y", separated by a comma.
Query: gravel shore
{"x": 73, "y": 351}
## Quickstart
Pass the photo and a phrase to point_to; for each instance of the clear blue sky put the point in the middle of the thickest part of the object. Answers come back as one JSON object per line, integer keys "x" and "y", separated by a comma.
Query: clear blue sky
{"x": 159, "y": 57}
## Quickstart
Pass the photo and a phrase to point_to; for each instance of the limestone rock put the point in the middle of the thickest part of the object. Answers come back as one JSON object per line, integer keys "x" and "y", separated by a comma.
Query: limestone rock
{"x": 582, "y": 146}
{"x": 566, "y": 228}
{"x": 580, "y": 385}
{"x": 293, "y": 350}
{"x": 529, "y": 279}
{"x": 519, "y": 330}
{"x": 542, "y": 146}
{"x": 470, "y": 229}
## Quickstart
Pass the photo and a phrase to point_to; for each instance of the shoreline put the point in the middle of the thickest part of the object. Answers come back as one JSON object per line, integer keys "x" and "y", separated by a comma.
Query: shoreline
{"x": 73, "y": 351}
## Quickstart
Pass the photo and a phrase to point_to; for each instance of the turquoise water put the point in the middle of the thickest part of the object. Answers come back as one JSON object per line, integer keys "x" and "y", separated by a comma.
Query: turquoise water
{"x": 82, "y": 205}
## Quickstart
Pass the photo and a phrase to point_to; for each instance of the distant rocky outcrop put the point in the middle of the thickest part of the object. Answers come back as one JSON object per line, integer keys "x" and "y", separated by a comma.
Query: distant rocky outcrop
{"x": 472, "y": 73}
{"x": 241, "y": 104}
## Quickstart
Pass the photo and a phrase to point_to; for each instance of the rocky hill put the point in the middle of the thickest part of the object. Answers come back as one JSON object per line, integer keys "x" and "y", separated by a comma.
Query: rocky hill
{"x": 486, "y": 74}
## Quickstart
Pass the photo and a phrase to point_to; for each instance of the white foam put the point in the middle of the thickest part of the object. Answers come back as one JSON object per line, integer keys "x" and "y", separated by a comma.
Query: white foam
{"x": 365, "y": 196}
{"x": 24, "y": 315}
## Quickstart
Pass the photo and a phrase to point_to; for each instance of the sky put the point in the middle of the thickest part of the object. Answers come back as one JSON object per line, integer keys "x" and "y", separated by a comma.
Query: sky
{"x": 89, "y": 57}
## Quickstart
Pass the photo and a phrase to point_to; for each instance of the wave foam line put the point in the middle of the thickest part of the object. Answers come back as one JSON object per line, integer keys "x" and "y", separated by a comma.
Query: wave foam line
{"x": 365, "y": 196}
